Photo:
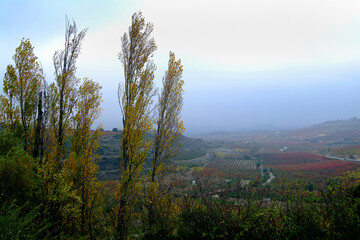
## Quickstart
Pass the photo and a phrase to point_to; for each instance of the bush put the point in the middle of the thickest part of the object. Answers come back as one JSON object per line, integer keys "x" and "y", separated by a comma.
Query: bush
{"x": 17, "y": 170}
{"x": 16, "y": 222}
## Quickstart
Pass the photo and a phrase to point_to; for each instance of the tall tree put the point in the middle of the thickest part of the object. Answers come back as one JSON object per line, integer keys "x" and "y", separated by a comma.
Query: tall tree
{"x": 22, "y": 83}
{"x": 159, "y": 205}
{"x": 135, "y": 100}
{"x": 81, "y": 164}
{"x": 169, "y": 125}
{"x": 61, "y": 196}
{"x": 66, "y": 81}
{"x": 10, "y": 112}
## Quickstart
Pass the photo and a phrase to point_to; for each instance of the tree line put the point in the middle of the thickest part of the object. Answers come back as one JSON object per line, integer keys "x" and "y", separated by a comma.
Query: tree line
{"x": 49, "y": 151}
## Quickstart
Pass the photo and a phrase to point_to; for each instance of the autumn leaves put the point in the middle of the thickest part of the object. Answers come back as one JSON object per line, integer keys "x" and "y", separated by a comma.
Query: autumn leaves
{"x": 135, "y": 97}
{"x": 53, "y": 122}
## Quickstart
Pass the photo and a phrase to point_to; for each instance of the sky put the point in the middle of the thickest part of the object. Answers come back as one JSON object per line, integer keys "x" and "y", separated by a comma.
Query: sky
{"x": 248, "y": 64}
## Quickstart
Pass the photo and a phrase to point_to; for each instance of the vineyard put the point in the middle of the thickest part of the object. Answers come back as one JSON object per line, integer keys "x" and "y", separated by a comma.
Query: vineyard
{"x": 313, "y": 165}
{"x": 232, "y": 156}
{"x": 346, "y": 151}
{"x": 291, "y": 158}
{"x": 301, "y": 165}
{"x": 232, "y": 165}
{"x": 316, "y": 175}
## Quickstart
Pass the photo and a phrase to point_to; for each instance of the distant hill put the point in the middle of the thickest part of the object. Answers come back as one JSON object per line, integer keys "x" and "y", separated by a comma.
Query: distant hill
{"x": 340, "y": 125}
{"x": 338, "y": 134}
{"x": 329, "y": 127}
{"x": 110, "y": 152}
{"x": 345, "y": 132}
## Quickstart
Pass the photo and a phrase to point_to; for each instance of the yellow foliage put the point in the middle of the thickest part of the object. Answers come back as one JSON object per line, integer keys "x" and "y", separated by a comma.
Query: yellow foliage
{"x": 135, "y": 99}
{"x": 239, "y": 150}
{"x": 21, "y": 85}
{"x": 197, "y": 169}
{"x": 80, "y": 167}
{"x": 169, "y": 127}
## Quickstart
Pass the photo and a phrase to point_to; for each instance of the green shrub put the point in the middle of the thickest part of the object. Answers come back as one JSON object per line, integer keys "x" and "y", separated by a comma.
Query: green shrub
{"x": 17, "y": 222}
{"x": 17, "y": 171}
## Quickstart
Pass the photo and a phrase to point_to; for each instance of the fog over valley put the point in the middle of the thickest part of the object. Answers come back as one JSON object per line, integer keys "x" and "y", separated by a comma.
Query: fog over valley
{"x": 269, "y": 100}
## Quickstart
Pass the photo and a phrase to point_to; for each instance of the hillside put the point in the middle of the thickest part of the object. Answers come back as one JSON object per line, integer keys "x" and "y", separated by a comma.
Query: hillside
{"x": 331, "y": 134}
{"x": 110, "y": 147}
{"x": 196, "y": 152}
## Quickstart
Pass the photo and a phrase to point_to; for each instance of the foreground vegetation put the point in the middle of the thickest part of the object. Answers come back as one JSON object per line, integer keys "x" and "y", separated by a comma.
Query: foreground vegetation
{"x": 206, "y": 210}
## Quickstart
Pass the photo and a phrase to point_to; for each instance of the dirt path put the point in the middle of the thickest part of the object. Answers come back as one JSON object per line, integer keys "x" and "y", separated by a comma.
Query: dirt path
{"x": 343, "y": 159}
{"x": 270, "y": 179}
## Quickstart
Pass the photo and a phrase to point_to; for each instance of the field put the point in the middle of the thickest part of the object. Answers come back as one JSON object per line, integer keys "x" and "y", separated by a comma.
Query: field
{"x": 319, "y": 176}
{"x": 347, "y": 152}
{"x": 231, "y": 166}
{"x": 190, "y": 154}
{"x": 292, "y": 166}
{"x": 228, "y": 165}
{"x": 239, "y": 155}
{"x": 291, "y": 158}
{"x": 313, "y": 165}
{"x": 306, "y": 165}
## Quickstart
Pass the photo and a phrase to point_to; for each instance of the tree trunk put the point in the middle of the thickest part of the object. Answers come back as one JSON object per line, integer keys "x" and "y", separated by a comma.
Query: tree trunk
{"x": 39, "y": 124}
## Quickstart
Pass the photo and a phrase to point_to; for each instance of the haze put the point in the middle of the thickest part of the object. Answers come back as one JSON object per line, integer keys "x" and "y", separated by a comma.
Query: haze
{"x": 250, "y": 64}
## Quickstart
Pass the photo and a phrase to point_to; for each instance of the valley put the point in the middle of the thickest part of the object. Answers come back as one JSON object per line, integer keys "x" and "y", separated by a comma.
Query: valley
{"x": 313, "y": 154}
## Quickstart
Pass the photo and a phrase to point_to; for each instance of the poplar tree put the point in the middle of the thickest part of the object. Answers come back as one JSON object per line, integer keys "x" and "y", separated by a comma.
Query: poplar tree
{"x": 160, "y": 206}
{"x": 169, "y": 125}
{"x": 22, "y": 84}
{"x": 135, "y": 100}
{"x": 81, "y": 167}
{"x": 66, "y": 81}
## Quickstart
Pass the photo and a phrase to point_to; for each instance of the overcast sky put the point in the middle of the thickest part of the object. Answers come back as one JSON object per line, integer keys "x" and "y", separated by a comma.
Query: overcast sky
{"x": 247, "y": 64}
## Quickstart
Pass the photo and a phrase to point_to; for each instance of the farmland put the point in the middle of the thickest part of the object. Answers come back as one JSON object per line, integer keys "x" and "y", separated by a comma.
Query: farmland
{"x": 244, "y": 155}
{"x": 291, "y": 158}
{"x": 347, "y": 152}
{"x": 231, "y": 168}
{"x": 308, "y": 165}
{"x": 313, "y": 165}
{"x": 233, "y": 165}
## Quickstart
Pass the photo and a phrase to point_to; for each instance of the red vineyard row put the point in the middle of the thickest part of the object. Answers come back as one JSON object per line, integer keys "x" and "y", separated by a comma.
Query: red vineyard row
{"x": 312, "y": 166}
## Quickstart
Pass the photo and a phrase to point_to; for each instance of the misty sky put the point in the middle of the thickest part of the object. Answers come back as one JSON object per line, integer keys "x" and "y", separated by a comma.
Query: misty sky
{"x": 248, "y": 64}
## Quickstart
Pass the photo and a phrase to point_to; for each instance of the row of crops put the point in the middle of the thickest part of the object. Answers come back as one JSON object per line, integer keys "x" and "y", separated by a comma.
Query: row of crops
{"x": 294, "y": 162}
{"x": 233, "y": 165}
